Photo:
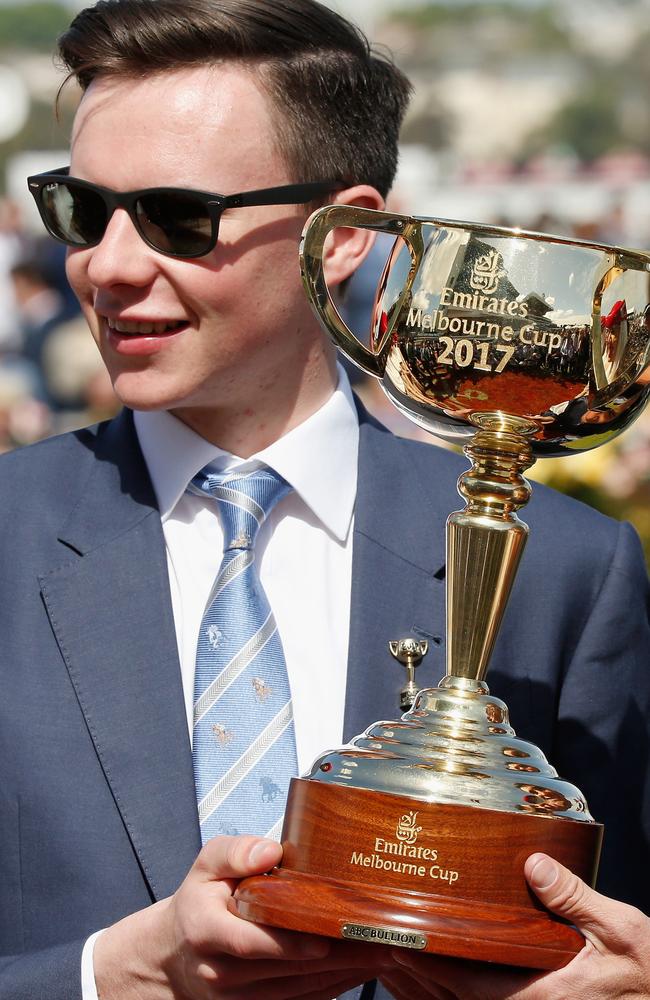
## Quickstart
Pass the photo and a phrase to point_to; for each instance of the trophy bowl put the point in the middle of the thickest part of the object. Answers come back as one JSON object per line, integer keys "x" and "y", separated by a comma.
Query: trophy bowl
{"x": 515, "y": 345}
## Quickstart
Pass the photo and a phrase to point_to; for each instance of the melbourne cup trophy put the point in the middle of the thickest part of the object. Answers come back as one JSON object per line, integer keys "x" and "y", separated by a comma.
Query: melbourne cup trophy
{"x": 515, "y": 345}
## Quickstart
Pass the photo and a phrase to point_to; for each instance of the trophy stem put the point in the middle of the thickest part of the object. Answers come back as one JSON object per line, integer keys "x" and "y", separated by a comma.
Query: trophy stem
{"x": 485, "y": 542}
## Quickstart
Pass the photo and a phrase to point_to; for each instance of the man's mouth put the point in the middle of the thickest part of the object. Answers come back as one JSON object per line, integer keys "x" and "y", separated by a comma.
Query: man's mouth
{"x": 145, "y": 328}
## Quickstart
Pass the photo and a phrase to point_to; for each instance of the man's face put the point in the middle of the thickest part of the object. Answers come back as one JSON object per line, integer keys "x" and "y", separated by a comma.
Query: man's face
{"x": 220, "y": 330}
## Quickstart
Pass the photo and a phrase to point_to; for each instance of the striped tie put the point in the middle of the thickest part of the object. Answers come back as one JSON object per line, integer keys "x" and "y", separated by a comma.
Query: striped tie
{"x": 244, "y": 744}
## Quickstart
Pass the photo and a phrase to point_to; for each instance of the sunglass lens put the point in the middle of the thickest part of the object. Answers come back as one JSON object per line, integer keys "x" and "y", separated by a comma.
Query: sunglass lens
{"x": 77, "y": 215}
{"x": 175, "y": 223}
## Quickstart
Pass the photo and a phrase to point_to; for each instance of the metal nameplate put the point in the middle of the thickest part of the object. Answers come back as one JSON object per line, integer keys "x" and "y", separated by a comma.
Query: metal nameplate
{"x": 384, "y": 935}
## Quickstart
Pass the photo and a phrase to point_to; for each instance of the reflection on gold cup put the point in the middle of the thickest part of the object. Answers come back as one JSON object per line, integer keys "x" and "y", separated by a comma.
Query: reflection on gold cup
{"x": 516, "y": 345}
{"x": 473, "y": 320}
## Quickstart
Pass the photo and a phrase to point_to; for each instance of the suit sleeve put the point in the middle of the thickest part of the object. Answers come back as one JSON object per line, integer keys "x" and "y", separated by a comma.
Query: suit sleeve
{"x": 603, "y": 727}
{"x": 53, "y": 973}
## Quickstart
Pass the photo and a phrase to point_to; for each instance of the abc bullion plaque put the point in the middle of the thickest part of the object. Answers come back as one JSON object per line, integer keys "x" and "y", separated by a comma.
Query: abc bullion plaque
{"x": 516, "y": 345}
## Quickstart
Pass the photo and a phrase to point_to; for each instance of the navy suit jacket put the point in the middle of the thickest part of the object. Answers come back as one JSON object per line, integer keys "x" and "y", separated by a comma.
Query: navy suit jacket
{"x": 97, "y": 808}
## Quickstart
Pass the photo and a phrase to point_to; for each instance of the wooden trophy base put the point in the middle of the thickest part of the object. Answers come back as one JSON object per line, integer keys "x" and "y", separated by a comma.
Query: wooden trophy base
{"x": 447, "y": 879}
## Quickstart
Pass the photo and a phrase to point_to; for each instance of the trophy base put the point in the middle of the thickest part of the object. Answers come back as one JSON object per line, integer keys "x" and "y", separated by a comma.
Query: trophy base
{"x": 446, "y": 879}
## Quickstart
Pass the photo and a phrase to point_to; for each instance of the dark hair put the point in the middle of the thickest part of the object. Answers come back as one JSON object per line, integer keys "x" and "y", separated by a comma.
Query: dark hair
{"x": 337, "y": 104}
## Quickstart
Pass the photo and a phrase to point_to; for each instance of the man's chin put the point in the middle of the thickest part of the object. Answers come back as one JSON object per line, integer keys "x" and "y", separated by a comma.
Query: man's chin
{"x": 147, "y": 395}
{"x": 147, "y": 403}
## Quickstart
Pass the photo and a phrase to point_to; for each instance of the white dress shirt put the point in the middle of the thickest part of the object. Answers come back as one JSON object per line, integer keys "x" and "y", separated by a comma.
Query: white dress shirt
{"x": 303, "y": 553}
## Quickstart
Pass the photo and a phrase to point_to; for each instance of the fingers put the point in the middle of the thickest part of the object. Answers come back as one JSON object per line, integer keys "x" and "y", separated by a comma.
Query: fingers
{"x": 405, "y": 986}
{"x": 359, "y": 962}
{"x": 240, "y": 938}
{"x": 605, "y": 922}
{"x": 236, "y": 857}
{"x": 334, "y": 987}
{"x": 204, "y": 904}
{"x": 321, "y": 987}
{"x": 210, "y": 932}
{"x": 463, "y": 980}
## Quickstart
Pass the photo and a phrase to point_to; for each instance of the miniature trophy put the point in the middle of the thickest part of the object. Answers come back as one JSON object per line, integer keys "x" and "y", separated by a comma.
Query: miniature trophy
{"x": 516, "y": 345}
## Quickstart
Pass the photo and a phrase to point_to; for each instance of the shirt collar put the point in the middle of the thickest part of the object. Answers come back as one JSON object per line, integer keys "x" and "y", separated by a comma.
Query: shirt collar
{"x": 318, "y": 458}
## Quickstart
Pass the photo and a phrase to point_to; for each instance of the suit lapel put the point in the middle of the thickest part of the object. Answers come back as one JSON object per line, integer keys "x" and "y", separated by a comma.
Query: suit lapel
{"x": 398, "y": 576}
{"x": 110, "y": 610}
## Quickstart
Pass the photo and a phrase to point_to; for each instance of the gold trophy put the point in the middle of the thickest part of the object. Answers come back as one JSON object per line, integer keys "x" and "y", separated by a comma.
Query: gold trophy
{"x": 516, "y": 345}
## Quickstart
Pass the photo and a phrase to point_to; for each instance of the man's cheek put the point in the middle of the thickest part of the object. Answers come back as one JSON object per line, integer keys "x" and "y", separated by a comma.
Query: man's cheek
{"x": 71, "y": 264}
{"x": 81, "y": 291}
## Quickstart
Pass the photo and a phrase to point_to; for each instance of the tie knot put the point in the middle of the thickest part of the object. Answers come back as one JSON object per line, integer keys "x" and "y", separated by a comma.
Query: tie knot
{"x": 244, "y": 501}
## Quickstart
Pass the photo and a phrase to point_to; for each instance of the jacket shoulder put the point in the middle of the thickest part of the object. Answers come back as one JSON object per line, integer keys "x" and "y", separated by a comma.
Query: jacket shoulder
{"x": 560, "y": 519}
{"x": 40, "y": 477}
{"x": 35, "y": 460}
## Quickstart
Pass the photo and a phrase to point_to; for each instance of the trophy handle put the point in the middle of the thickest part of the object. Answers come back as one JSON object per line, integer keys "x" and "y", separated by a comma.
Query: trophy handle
{"x": 312, "y": 244}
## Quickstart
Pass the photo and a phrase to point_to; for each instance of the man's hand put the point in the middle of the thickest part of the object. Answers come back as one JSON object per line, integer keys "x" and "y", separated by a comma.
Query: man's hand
{"x": 192, "y": 946}
{"x": 613, "y": 965}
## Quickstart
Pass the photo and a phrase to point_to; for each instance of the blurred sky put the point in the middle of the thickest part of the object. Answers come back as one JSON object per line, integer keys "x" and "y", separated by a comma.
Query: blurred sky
{"x": 363, "y": 11}
{"x": 360, "y": 8}
{"x": 366, "y": 13}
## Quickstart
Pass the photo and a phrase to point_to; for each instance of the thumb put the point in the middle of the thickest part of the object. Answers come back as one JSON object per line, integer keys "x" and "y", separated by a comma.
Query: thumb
{"x": 569, "y": 897}
{"x": 236, "y": 857}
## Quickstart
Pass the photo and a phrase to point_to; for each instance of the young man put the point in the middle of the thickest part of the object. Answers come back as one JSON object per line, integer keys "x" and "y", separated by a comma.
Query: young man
{"x": 113, "y": 538}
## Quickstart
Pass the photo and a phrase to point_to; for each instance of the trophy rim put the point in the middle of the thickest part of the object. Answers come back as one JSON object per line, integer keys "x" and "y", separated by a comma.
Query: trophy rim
{"x": 509, "y": 232}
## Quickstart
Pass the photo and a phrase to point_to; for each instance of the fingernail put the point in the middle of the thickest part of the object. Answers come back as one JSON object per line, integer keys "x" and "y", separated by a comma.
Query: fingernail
{"x": 261, "y": 853}
{"x": 544, "y": 874}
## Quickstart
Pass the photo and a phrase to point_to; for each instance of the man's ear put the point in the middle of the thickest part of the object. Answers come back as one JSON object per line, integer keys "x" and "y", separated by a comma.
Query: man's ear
{"x": 345, "y": 249}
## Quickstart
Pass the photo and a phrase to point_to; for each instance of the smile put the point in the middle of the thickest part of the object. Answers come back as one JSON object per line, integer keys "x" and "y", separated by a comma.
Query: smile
{"x": 144, "y": 328}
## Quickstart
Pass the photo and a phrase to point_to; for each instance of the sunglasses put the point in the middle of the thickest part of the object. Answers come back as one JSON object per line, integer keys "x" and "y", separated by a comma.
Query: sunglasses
{"x": 177, "y": 222}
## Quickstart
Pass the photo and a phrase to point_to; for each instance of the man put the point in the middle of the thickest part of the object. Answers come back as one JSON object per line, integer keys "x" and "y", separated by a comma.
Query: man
{"x": 213, "y": 350}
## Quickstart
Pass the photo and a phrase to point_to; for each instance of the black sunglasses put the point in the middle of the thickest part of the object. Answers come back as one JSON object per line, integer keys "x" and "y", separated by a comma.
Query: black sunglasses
{"x": 178, "y": 222}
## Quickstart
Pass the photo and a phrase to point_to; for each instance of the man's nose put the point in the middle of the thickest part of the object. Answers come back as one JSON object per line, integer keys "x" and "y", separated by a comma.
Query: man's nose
{"x": 122, "y": 257}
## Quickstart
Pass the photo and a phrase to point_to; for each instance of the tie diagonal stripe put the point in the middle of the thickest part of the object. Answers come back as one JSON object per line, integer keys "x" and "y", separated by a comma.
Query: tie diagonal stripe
{"x": 275, "y": 833}
{"x": 240, "y": 500}
{"x": 230, "y": 572}
{"x": 230, "y": 495}
{"x": 232, "y": 670}
{"x": 246, "y": 763}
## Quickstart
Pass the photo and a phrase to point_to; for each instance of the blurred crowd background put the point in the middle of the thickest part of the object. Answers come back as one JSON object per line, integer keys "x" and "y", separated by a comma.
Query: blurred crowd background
{"x": 532, "y": 113}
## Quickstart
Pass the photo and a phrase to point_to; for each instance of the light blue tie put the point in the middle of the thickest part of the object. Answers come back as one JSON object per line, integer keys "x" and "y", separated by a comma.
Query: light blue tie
{"x": 244, "y": 743}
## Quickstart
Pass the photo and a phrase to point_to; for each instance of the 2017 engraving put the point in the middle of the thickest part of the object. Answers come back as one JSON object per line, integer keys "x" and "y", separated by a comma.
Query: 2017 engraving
{"x": 463, "y": 352}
